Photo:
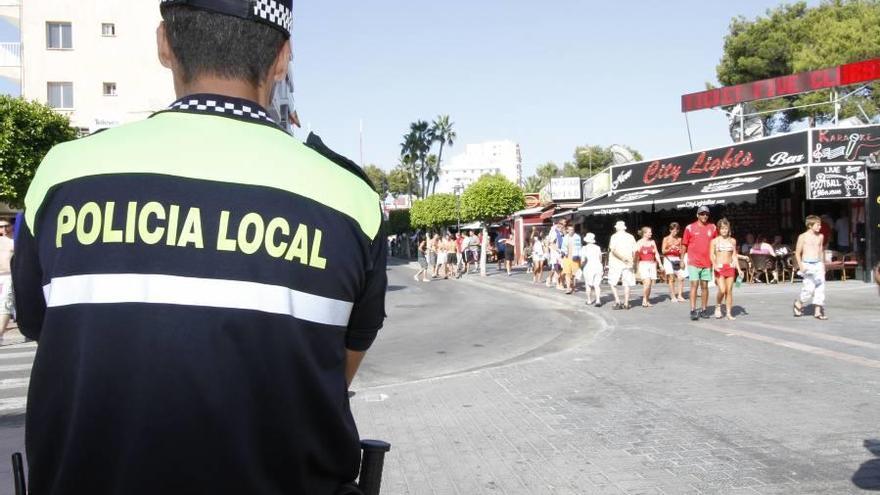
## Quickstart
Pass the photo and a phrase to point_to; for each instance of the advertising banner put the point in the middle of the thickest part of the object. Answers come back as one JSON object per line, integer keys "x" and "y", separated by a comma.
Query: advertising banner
{"x": 846, "y": 144}
{"x": 565, "y": 189}
{"x": 785, "y": 151}
{"x": 841, "y": 181}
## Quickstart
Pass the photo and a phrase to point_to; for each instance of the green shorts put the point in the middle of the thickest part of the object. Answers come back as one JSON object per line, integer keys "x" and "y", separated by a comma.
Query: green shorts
{"x": 695, "y": 273}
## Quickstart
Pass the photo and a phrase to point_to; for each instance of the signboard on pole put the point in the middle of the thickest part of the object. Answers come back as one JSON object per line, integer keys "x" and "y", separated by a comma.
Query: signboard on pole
{"x": 565, "y": 189}
{"x": 840, "y": 181}
{"x": 842, "y": 75}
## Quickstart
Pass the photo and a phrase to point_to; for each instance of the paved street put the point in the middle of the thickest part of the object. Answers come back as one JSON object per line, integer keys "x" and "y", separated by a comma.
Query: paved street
{"x": 640, "y": 401}
{"x": 493, "y": 385}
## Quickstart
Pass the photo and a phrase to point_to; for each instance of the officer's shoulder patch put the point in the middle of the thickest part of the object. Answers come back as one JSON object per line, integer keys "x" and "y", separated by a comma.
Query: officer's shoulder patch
{"x": 314, "y": 142}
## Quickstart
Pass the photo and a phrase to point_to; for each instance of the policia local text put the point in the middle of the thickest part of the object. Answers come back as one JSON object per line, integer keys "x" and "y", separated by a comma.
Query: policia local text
{"x": 153, "y": 223}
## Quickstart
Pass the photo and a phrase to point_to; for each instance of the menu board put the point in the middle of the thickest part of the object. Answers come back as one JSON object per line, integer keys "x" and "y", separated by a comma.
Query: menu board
{"x": 837, "y": 182}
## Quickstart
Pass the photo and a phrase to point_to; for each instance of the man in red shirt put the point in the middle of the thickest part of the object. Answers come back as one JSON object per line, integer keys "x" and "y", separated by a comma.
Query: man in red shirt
{"x": 695, "y": 244}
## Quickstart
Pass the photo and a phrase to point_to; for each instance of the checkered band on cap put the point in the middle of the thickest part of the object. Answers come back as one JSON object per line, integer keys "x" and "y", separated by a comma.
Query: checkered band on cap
{"x": 276, "y": 13}
{"x": 224, "y": 107}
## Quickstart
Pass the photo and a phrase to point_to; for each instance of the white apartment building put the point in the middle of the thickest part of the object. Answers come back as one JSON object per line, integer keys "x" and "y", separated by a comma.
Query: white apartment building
{"x": 492, "y": 157}
{"x": 95, "y": 60}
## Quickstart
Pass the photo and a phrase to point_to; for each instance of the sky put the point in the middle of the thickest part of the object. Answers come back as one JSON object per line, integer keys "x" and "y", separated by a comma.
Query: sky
{"x": 548, "y": 75}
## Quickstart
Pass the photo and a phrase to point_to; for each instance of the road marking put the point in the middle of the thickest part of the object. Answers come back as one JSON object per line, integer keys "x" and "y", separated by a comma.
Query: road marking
{"x": 11, "y": 383}
{"x": 13, "y": 404}
{"x": 15, "y": 367}
{"x": 818, "y": 335}
{"x": 819, "y": 351}
{"x": 15, "y": 355}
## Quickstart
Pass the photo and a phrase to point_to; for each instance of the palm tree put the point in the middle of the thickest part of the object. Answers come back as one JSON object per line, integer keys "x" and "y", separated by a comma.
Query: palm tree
{"x": 432, "y": 174}
{"x": 418, "y": 145}
{"x": 533, "y": 184}
{"x": 441, "y": 132}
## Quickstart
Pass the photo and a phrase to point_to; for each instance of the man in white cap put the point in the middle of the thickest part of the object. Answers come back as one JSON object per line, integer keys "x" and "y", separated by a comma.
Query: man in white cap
{"x": 621, "y": 250}
{"x": 591, "y": 256}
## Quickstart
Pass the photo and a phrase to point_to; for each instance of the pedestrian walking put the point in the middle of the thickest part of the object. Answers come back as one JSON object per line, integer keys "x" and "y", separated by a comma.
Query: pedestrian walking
{"x": 538, "y": 258}
{"x": 434, "y": 254}
{"x": 649, "y": 260}
{"x": 672, "y": 263}
{"x": 422, "y": 259}
{"x": 509, "y": 245}
{"x": 459, "y": 254}
{"x": 7, "y": 298}
{"x": 621, "y": 249}
{"x": 724, "y": 259}
{"x": 695, "y": 245}
{"x": 593, "y": 270}
{"x": 571, "y": 246}
{"x": 554, "y": 259}
{"x": 208, "y": 346}
{"x": 808, "y": 253}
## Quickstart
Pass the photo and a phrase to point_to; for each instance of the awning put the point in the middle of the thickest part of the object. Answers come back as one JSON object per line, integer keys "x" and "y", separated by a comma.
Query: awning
{"x": 689, "y": 195}
{"x": 528, "y": 211}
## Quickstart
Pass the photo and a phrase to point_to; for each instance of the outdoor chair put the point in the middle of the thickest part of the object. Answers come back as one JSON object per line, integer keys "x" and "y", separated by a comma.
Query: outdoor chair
{"x": 762, "y": 264}
{"x": 834, "y": 263}
{"x": 851, "y": 261}
{"x": 745, "y": 265}
{"x": 789, "y": 267}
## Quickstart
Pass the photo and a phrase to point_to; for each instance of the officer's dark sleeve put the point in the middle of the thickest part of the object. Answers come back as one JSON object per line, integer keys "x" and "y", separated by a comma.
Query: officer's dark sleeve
{"x": 368, "y": 313}
{"x": 27, "y": 283}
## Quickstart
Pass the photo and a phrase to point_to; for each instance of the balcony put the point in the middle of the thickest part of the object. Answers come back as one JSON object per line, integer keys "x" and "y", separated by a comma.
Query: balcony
{"x": 10, "y": 54}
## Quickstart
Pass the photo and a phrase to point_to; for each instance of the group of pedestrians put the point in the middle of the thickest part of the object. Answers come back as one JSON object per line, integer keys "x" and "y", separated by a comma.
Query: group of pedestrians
{"x": 702, "y": 252}
{"x": 451, "y": 255}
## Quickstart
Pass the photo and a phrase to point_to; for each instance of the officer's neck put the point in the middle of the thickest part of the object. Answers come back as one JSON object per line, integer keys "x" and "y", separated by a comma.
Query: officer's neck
{"x": 226, "y": 87}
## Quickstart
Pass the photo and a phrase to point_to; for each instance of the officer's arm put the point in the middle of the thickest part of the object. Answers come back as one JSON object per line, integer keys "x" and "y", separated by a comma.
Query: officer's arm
{"x": 368, "y": 313}
{"x": 27, "y": 282}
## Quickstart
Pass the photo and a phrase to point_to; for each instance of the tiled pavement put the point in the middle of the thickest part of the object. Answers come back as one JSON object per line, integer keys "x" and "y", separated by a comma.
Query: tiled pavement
{"x": 652, "y": 403}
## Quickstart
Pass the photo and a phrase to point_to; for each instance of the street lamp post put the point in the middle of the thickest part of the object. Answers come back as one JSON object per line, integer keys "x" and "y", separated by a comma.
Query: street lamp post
{"x": 457, "y": 190}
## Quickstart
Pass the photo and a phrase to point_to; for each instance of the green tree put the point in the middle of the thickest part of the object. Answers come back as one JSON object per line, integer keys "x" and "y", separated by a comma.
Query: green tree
{"x": 441, "y": 132}
{"x": 490, "y": 198}
{"x": 401, "y": 180}
{"x": 435, "y": 211}
{"x": 533, "y": 184}
{"x": 398, "y": 221}
{"x": 379, "y": 179}
{"x": 794, "y": 38}
{"x": 28, "y": 130}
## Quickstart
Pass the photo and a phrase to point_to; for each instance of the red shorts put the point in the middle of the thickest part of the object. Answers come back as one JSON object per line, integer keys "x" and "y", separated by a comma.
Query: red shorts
{"x": 726, "y": 271}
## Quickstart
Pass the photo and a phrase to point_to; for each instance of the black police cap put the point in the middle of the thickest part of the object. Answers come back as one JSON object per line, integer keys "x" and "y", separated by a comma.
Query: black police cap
{"x": 275, "y": 13}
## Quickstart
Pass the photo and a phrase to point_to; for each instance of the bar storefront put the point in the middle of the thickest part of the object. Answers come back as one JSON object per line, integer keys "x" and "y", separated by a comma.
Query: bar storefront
{"x": 764, "y": 187}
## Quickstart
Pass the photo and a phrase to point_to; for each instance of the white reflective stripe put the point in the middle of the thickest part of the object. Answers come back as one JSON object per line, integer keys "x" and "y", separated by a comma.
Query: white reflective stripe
{"x": 191, "y": 291}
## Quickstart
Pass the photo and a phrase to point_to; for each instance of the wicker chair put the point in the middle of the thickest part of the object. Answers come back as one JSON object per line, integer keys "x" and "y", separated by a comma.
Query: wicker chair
{"x": 762, "y": 264}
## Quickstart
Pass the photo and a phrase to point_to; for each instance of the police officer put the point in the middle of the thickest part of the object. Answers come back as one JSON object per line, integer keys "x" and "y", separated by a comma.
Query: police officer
{"x": 202, "y": 286}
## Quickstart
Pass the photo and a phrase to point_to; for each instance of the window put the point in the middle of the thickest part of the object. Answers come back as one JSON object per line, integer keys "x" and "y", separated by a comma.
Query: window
{"x": 60, "y": 94}
{"x": 109, "y": 89}
{"x": 108, "y": 29}
{"x": 59, "y": 36}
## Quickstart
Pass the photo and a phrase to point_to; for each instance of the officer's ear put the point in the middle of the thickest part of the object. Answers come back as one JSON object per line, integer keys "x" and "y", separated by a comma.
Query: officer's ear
{"x": 279, "y": 67}
{"x": 166, "y": 56}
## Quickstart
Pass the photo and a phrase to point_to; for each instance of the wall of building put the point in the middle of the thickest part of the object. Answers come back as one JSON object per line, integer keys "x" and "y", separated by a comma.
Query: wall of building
{"x": 491, "y": 157}
{"x": 128, "y": 59}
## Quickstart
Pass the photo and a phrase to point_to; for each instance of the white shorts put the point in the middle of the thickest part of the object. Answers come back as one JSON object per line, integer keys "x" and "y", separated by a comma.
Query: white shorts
{"x": 647, "y": 270}
{"x": 624, "y": 275}
{"x": 7, "y": 297}
{"x": 670, "y": 270}
{"x": 593, "y": 278}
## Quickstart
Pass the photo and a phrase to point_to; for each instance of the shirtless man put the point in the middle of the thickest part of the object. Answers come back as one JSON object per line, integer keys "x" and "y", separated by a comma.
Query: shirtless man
{"x": 6, "y": 297}
{"x": 808, "y": 253}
